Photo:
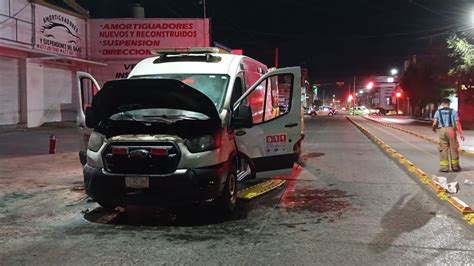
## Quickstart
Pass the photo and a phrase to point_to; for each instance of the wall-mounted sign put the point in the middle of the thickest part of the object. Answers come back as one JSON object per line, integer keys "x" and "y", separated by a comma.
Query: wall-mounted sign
{"x": 134, "y": 38}
{"x": 114, "y": 70}
{"x": 59, "y": 33}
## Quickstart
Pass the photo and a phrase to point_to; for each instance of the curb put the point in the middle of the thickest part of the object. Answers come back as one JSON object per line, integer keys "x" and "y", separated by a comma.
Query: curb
{"x": 430, "y": 139}
{"x": 459, "y": 205}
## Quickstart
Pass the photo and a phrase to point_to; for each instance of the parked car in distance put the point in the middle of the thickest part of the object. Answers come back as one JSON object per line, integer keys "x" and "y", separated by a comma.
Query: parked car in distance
{"x": 359, "y": 110}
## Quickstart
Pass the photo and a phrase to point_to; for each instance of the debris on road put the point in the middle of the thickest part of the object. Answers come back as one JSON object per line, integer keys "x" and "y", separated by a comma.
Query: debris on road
{"x": 442, "y": 181}
{"x": 468, "y": 182}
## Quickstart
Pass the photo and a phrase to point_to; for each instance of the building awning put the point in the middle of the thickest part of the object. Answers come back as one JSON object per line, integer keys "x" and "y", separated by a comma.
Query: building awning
{"x": 46, "y": 56}
{"x": 73, "y": 59}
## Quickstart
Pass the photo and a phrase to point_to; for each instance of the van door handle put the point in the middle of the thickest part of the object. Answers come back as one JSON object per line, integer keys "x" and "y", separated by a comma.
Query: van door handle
{"x": 240, "y": 133}
{"x": 291, "y": 125}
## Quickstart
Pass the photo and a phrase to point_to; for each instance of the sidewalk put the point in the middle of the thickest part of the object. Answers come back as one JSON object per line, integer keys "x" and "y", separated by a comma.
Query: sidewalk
{"x": 26, "y": 165}
{"x": 18, "y": 141}
{"x": 424, "y": 154}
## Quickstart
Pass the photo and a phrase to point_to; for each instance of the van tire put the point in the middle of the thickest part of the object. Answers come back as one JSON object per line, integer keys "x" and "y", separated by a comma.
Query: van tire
{"x": 107, "y": 206}
{"x": 226, "y": 202}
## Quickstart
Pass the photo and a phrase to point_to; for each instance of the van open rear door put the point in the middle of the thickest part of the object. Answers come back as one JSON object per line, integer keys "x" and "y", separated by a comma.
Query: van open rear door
{"x": 272, "y": 143}
{"x": 87, "y": 87}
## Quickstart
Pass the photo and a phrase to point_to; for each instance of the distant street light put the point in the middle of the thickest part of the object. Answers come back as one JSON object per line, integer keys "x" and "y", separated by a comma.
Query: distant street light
{"x": 370, "y": 85}
{"x": 394, "y": 71}
{"x": 390, "y": 79}
{"x": 397, "y": 95}
{"x": 361, "y": 91}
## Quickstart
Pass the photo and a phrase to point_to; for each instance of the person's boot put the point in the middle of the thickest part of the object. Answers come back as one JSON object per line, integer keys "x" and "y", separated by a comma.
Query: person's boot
{"x": 456, "y": 168}
{"x": 444, "y": 170}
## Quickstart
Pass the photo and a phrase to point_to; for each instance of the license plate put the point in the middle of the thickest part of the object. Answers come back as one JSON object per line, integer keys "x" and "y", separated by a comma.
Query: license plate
{"x": 137, "y": 182}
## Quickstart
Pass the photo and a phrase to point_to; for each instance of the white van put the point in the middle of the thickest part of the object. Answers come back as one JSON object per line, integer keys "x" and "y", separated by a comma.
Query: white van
{"x": 185, "y": 126}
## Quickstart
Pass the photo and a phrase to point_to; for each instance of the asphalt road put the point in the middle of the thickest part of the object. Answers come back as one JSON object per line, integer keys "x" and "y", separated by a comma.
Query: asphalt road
{"x": 348, "y": 204}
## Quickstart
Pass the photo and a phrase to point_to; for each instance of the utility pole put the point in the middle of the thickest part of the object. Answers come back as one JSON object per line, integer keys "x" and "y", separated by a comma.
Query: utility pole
{"x": 203, "y": 3}
{"x": 276, "y": 57}
{"x": 353, "y": 103}
{"x": 204, "y": 6}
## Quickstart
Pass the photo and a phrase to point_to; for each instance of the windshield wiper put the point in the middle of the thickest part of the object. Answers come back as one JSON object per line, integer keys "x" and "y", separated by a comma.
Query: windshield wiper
{"x": 167, "y": 117}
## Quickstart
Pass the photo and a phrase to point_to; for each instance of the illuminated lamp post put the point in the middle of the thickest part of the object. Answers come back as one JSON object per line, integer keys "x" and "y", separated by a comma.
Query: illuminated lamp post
{"x": 397, "y": 95}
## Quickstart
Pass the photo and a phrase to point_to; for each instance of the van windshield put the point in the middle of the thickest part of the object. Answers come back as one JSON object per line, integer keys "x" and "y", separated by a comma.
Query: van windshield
{"x": 212, "y": 85}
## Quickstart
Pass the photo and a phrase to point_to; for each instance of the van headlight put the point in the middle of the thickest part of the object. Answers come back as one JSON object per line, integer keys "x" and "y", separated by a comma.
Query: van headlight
{"x": 202, "y": 143}
{"x": 95, "y": 141}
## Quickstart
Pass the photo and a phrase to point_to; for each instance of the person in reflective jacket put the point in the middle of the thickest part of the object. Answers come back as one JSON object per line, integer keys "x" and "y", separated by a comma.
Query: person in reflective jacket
{"x": 446, "y": 123}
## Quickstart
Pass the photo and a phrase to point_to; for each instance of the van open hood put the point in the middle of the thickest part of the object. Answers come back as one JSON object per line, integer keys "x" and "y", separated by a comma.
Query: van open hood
{"x": 131, "y": 94}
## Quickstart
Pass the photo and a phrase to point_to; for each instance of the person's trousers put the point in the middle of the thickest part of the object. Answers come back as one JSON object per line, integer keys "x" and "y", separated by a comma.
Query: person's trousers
{"x": 448, "y": 148}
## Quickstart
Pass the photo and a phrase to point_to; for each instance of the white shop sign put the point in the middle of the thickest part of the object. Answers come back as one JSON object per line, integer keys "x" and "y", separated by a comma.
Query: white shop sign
{"x": 59, "y": 33}
{"x": 114, "y": 70}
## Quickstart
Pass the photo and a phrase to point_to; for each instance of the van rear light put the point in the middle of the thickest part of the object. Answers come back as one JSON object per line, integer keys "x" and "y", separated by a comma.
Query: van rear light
{"x": 119, "y": 151}
{"x": 159, "y": 152}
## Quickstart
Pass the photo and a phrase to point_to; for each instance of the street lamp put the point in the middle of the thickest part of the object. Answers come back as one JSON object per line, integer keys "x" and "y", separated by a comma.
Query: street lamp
{"x": 397, "y": 95}
{"x": 370, "y": 85}
{"x": 394, "y": 71}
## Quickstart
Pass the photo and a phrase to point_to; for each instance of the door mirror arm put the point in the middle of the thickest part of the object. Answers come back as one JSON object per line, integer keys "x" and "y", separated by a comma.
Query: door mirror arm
{"x": 242, "y": 117}
{"x": 91, "y": 120}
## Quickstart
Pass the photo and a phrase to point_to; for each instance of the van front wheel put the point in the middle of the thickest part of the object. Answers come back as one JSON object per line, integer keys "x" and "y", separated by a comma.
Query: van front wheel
{"x": 225, "y": 204}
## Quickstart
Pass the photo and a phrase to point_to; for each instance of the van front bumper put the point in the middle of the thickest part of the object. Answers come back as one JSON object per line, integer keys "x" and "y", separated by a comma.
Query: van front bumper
{"x": 182, "y": 187}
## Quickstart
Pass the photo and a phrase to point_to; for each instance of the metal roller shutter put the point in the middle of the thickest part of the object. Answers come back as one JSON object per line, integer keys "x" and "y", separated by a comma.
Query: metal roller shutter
{"x": 9, "y": 91}
{"x": 58, "y": 96}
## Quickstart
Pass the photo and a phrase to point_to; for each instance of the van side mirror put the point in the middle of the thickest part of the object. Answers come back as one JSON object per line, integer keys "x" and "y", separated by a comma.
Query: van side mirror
{"x": 242, "y": 117}
{"x": 91, "y": 120}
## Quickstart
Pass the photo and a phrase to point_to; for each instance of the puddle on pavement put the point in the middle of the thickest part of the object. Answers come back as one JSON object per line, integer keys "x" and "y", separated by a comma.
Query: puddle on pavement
{"x": 330, "y": 202}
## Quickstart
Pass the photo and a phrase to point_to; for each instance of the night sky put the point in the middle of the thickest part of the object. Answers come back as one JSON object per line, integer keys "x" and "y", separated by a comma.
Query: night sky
{"x": 334, "y": 39}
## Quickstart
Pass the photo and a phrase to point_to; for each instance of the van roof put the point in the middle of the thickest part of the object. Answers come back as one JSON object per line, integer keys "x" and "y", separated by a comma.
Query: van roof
{"x": 227, "y": 65}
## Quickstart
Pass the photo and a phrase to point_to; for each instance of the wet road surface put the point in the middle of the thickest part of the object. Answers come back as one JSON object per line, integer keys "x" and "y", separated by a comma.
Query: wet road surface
{"x": 347, "y": 204}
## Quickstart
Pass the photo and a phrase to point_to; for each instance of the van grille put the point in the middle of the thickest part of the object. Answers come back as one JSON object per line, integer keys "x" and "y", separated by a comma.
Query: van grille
{"x": 139, "y": 158}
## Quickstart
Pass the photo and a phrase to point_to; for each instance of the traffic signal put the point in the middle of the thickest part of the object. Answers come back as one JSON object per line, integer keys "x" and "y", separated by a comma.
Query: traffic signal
{"x": 315, "y": 89}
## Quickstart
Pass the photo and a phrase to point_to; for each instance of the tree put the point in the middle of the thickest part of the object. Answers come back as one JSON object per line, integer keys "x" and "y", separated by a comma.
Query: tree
{"x": 420, "y": 85}
{"x": 462, "y": 65}
{"x": 426, "y": 79}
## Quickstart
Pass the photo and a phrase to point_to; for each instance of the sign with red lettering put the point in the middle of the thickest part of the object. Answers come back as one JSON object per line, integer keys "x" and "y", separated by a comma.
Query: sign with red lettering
{"x": 59, "y": 33}
{"x": 276, "y": 138}
{"x": 276, "y": 144}
{"x": 134, "y": 38}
